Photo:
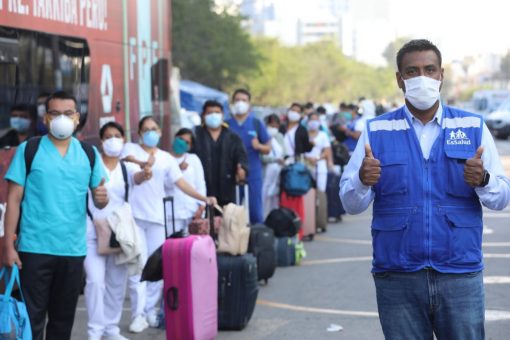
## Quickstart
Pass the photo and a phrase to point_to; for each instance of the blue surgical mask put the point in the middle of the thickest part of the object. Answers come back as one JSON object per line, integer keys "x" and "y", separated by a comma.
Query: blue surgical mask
{"x": 150, "y": 138}
{"x": 314, "y": 125}
{"x": 213, "y": 120}
{"x": 20, "y": 124}
{"x": 180, "y": 146}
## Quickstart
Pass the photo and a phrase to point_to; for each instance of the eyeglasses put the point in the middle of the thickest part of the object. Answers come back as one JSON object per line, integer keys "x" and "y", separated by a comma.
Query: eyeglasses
{"x": 55, "y": 113}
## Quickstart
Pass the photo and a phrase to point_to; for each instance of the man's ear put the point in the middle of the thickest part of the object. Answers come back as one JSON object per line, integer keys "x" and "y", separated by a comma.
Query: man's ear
{"x": 400, "y": 82}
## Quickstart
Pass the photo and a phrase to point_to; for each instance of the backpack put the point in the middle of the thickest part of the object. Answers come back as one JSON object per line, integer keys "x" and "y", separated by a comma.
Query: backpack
{"x": 284, "y": 222}
{"x": 340, "y": 154}
{"x": 234, "y": 233}
{"x": 296, "y": 179}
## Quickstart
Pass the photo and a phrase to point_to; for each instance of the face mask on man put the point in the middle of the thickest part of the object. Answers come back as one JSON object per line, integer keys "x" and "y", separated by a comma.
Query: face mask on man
{"x": 293, "y": 116}
{"x": 150, "y": 138}
{"x": 180, "y": 146}
{"x": 112, "y": 147}
{"x": 314, "y": 125}
{"x": 213, "y": 120}
{"x": 62, "y": 127}
{"x": 20, "y": 124}
{"x": 422, "y": 92}
{"x": 241, "y": 107}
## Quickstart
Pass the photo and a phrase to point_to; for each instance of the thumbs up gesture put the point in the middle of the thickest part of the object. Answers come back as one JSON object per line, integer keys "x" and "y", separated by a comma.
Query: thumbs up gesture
{"x": 100, "y": 195}
{"x": 370, "y": 170}
{"x": 473, "y": 169}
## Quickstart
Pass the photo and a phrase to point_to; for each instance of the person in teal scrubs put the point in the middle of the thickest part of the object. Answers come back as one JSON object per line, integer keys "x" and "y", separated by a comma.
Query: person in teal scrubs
{"x": 52, "y": 192}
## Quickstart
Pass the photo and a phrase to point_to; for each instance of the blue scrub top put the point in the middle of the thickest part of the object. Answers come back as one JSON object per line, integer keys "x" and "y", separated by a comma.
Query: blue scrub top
{"x": 247, "y": 131}
{"x": 54, "y": 202}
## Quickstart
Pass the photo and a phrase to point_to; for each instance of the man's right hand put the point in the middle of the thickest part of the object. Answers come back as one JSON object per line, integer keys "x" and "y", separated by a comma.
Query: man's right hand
{"x": 370, "y": 170}
{"x": 240, "y": 174}
{"x": 11, "y": 257}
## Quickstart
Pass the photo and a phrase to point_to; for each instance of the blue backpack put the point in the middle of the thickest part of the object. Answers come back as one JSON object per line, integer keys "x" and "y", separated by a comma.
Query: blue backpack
{"x": 296, "y": 179}
{"x": 14, "y": 321}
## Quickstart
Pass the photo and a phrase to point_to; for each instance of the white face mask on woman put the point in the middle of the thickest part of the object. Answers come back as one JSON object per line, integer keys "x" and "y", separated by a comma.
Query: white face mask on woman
{"x": 112, "y": 147}
{"x": 422, "y": 92}
{"x": 293, "y": 116}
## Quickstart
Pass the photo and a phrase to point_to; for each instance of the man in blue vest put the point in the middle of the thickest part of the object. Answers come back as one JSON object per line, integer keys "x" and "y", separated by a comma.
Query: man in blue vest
{"x": 428, "y": 168}
{"x": 257, "y": 142}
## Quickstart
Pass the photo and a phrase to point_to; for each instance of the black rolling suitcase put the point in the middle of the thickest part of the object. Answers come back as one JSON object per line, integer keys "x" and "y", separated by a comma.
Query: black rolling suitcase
{"x": 238, "y": 289}
{"x": 335, "y": 207}
{"x": 262, "y": 247}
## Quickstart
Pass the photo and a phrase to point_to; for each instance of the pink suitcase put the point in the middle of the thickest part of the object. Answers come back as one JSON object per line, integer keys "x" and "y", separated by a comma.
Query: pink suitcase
{"x": 190, "y": 290}
{"x": 309, "y": 222}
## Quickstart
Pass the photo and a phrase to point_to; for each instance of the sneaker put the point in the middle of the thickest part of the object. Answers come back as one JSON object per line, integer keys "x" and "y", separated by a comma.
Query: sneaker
{"x": 138, "y": 324}
{"x": 115, "y": 337}
{"x": 153, "y": 320}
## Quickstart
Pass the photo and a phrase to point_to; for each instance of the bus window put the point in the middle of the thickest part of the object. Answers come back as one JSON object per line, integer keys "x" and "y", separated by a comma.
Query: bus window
{"x": 34, "y": 62}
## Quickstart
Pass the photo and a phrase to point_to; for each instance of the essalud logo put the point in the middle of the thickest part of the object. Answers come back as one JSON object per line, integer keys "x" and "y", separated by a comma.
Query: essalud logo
{"x": 458, "y": 137}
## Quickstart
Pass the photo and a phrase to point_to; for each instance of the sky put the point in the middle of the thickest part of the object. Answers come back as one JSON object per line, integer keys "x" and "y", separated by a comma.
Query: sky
{"x": 458, "y": 27}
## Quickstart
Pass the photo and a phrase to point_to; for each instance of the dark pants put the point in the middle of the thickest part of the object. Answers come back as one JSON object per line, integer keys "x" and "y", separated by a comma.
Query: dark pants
{"x": 51, "y": 287}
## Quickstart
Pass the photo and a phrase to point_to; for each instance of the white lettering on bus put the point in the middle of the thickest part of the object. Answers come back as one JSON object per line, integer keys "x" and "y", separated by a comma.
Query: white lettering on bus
{"x": 17, "y": 6}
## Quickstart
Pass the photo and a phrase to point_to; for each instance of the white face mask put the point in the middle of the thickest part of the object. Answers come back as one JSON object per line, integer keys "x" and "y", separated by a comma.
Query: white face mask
{"x": 293, "y": 116}
{"x": 314, "y": 125}
{"x": 62, "y": 127}
{"x": 272, "y": 131}
{"x": 41, "y": 110}
{"x": 422, "y": 92}
{"x": 113, "y": 146}
{"x": 241, "y": 107}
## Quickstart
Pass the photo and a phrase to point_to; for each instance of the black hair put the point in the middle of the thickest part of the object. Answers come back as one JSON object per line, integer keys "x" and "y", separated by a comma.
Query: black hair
{"x": 186, "y": 131}
{"x": 211, "y": 103}
{"x": 61, "y": 95}
{"x": 243, "y": 91}
{"x": 21, "y": 107}
{"x": 108, "y": 125}
{"x": 343, "y": 105}
{"x": 321, "y": 110}
{"x": 273, "y": 117}
{"x": 417, "y": 45}
{"x": 43, "y": 94}
{"x": 309, "y": 105}
{"x": 143, "y": 120}
{"x": 298, "y": 105}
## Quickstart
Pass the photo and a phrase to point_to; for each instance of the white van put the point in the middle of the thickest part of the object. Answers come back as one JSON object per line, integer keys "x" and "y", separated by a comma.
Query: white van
{"x": 487, "y": 101}
{"x": 498, "y": 121}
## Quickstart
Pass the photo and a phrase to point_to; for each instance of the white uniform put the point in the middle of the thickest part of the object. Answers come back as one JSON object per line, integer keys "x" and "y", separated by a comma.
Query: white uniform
{"x": 185, "y": 206}
{"x": 147, "y": 205}
{"x": 271, "y": 184}
{"x": 321, "y": 141}
{"x": 106, "y": 282}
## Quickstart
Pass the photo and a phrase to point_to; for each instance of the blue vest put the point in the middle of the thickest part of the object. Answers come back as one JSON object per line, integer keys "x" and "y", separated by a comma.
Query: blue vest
{"x": 424, "y": 213}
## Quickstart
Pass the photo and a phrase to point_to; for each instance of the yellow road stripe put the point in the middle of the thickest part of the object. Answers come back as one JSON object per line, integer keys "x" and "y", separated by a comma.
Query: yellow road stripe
{"x": 316, "y": 310}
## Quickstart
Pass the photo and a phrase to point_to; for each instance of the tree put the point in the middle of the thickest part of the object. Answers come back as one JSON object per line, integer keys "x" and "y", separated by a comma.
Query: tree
{"x": 390, "y": 52}
{"x": 209, "y": 47}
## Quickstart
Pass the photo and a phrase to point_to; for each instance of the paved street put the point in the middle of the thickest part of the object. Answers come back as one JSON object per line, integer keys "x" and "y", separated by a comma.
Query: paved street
{"x": 334, "y": 286}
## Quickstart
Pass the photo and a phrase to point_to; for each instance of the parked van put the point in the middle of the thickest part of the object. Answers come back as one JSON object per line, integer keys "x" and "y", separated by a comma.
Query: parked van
{"x": 498, "y": 121}
{"x": 487, "y": 101}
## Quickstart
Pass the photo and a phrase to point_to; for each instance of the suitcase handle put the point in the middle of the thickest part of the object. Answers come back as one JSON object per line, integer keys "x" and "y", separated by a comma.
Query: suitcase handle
{"x": 165, "y": 200}
{"x": 172, "y": 298}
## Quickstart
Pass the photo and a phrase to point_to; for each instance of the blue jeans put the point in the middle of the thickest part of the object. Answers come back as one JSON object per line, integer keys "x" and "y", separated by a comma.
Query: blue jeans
{"x": 420, "y": 304}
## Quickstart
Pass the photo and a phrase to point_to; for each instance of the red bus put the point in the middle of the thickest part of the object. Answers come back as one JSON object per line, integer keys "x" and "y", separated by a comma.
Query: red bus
{"x": 113, "y": 55}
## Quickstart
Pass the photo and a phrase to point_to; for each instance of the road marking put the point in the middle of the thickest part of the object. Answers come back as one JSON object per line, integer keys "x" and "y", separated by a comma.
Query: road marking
{"x": 497, "y": 256}
{"x": 496, "y": 315}
{"x": 491, "y": 280}
{"x": 342, "y": 240}
{"x": 496, "y": 244}
{"x": 316, "y": 310}
{"x": 487, "y": 230}
{"x": 338, "y": 260}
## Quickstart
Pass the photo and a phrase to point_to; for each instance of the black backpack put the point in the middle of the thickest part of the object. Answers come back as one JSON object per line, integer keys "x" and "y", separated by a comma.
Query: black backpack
{"x": 284, "y": 222}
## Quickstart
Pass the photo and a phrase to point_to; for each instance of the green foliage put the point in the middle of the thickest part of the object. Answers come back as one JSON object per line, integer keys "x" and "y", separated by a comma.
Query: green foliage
{"x": 316, "y": 72}
{"x": 390, "y": 52}
{"x": 208, "y": 47}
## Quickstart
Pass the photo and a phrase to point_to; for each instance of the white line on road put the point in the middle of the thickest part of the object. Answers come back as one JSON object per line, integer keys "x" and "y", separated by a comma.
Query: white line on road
{"x": 342, "y": 240}
{"x": 316, "y": 310}
{"x": 338, "y": 260}
{"x": 496, "y": 315}
{"x": 496, "y": 256}
{"x": 491, "y": 280}
{"x": 496, "y": 244}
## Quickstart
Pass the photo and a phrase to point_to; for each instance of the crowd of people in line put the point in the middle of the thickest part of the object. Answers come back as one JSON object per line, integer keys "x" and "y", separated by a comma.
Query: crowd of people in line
{"x": 203, "y": 166}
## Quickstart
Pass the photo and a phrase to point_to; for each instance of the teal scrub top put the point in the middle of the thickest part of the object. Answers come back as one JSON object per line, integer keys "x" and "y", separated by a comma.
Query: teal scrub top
{"x": 53, "y": 209}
